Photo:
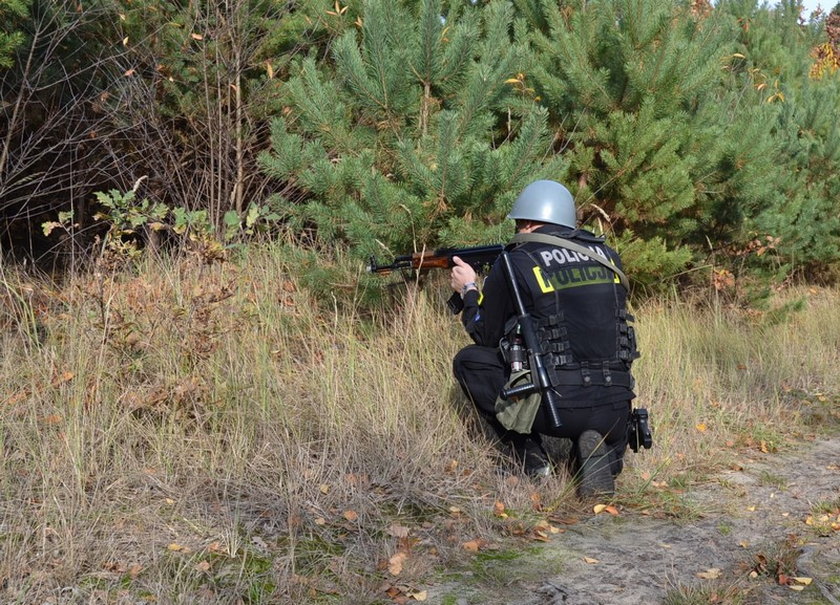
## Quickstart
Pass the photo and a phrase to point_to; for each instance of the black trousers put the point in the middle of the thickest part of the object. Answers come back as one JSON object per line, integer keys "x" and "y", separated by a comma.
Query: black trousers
{"x": 482, "y": 373}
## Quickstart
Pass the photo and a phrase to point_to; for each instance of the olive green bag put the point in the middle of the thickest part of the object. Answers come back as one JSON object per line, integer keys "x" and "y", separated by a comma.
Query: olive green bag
{"x": 518, "y": 414}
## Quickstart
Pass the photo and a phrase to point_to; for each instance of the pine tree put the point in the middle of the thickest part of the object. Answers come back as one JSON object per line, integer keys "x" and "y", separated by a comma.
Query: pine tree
{"x": 624, "y": 81}
{"x": 10, "y": 11}
{"x": 416, "y": 133}
{"x": 683, "y": 126}
{"x": 799, "y": 215}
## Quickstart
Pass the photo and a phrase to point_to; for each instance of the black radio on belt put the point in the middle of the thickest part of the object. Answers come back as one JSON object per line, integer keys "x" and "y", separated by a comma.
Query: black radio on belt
{"x": 638, "y": 432}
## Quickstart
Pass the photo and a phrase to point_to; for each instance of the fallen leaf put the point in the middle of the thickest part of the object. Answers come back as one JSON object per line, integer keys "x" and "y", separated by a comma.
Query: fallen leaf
{"x": 196, "y": 36}
{"x": 796, "y": 587}
{"x": 802, "y": 580}
{"x": 202, "y": 566}
{"x": 701, "y": 427}
{"x": 419, "y": 595}
{"x": 351, "y": 515}
{"x": 565, "y": 520}
{"x": 472, "y": 545}
{"x": 395, "y": 563}
{"x": 324, "y": 488}
{"x": 590, "y": 560}
{"x": 320, "y": 521}
{"x": 709, "y": 574}
{"x": 454, "y": 510}
{"x": 599, "y": 508}
{"x": 612, "y": 510}
{"x": 175, "y": 547}
{"x": 499, "y": 509}
{"x": 398, "y": 531}
{"x": 542, "y": 525}
{"x": 64, "y": 377}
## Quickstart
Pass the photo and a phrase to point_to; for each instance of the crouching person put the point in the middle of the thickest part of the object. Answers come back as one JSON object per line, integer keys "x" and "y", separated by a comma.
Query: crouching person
{"x": 574, "y": 291}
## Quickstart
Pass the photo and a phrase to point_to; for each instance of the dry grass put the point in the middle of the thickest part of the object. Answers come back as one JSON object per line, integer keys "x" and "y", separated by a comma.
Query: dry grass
{"x": 185, "y": 434}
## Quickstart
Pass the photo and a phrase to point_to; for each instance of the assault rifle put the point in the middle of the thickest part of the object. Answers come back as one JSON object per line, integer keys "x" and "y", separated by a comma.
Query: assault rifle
{"x": 479, "y": 258}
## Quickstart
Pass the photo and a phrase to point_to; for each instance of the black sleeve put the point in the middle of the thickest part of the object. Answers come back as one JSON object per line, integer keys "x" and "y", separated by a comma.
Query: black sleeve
{"x": 484, "y": 316}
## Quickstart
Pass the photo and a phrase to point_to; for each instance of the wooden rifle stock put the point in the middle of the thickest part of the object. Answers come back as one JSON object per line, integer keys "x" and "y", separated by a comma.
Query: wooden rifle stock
{"x": 478, "y": 257}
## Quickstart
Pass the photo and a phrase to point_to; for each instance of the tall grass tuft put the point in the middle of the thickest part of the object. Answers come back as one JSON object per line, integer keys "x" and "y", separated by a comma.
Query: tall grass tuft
{"x": 189, "y": 433}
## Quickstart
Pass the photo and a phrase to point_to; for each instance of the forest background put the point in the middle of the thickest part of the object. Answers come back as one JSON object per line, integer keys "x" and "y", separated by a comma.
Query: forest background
{"x": 204, "y": 398}
{"x": 693, "y": 135}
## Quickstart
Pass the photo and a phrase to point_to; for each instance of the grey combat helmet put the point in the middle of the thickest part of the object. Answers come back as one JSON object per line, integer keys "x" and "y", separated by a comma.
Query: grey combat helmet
{"x": 545, "y": 202}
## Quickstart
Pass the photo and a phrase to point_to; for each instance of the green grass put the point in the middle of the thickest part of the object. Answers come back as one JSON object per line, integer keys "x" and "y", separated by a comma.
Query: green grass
{"x": 282, "y": 439}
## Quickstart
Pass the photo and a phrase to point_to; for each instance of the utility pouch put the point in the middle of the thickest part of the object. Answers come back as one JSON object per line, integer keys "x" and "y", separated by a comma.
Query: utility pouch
{"x": 518, "y": 414}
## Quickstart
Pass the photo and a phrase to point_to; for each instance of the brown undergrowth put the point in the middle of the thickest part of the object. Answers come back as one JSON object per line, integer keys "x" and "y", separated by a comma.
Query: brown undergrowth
{"x": 180, "y": 433}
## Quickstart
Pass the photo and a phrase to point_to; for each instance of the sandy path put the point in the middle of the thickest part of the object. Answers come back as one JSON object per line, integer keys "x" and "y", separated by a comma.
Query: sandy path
{"x": 747, "y": 513}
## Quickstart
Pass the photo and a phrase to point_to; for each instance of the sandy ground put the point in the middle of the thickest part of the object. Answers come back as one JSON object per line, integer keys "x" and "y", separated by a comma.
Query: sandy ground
{"x": 748, "y": 516}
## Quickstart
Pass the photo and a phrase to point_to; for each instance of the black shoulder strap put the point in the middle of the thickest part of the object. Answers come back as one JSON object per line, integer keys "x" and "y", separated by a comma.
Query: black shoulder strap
{"x": 542, "y": 238}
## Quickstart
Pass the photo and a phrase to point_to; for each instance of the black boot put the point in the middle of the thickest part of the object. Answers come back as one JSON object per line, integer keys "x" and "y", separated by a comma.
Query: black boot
{"x": 595, "y": 475}
{"x": 530, "y": 455}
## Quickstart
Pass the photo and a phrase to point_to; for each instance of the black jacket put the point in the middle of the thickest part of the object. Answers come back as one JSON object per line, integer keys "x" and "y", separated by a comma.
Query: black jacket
{"x": 553, "y": 279}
